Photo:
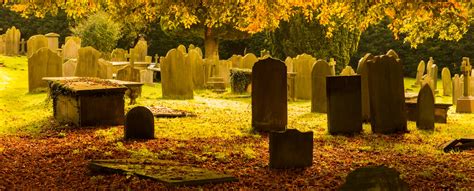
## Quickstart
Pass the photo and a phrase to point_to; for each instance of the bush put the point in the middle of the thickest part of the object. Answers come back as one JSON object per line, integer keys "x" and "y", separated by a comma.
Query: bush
{"x": 98, "y": 31}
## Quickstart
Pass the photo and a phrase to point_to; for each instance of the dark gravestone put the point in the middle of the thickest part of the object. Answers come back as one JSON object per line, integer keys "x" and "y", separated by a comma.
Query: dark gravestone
{"x": 374, "y": 178}
{"x": 344, "y": 104}
{"x": 269, "y": 95}
{"x": 386, "y": 95}
{"x": 139, "y": 124}
{"x": 291, "y": 149}
{"x": 458, "y": 145}
{"x": 425, "y": 117}
{"x": 320, "y": 70}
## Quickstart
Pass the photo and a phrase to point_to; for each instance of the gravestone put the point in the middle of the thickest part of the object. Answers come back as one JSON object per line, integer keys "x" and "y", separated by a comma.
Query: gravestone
{"x": 434, "y": 76}
{"x": 364, "y": 75}
{"x": 139, "y": 124}
{"x": 392, "y": 52}
{"x": 141, "y": 50}
{"x": 71, "y": 49}
{"x": 148, "y": 59}
{"x": 320, "y": 70}
{"x": 332, "y": 64}
{"x": 457, "y": 88}
{"x": 118, "y": 55}
{"x": 249, "y": 60}
{"x": 420, "y": 71}
{"x": 303, "y": 65}
{"x": 425, "y": 118}
{"x": 465, "y": 103}
{"x": 447, "y": 84}
{"x": 105, "y": 69}
{"x": 344, "y": 104}
{"x": 176, "y": 76}
{"x": 374, "y": 178}
{"x": 87, "y": 62}
{"x": 289, "y": 64}
{"x": 182, "y": 48}
{"x": 223, "y": 71}
{"x": 53, "y": 41}
{"x": 347, "y": 71}
{"x": 69, "y": 68}
{"x": 34, "y": 43}
{"x": 76, "y": 39}
{"x": 12, "y": 41}
{"x": 195, "y": 61}
{"x": 191, "y": 47}
{"x": 236, "y": 61}
{"x": 386, "y": 95}
{"x": 2, "y": 44}
{"x": 146, "y": 76}
{"x": 128, "y": 73}
{"x": 43, "y": 63}
{"x": 269, "y": 95}
{"x": 291, "y": 149}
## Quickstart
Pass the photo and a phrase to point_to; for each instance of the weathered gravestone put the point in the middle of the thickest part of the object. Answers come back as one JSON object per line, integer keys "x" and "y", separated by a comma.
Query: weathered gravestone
{"x": 141, "y": 50}
{"x": 34, "y": 43}
{"x": 87, "y": 62}
{"x": 289, "y": 64}
{"x": 105, "y": 69}
{"x": 12, "y": 41}
{"x": 128, "y": 73}
{"x": 146, "y": 76}
{"x": 465, "y": 103}
{"x": 447, "y": 84}
{"x": 291, "y": 149}
{"x": 347, "y": 71}
{"x": 344, "y": 104}
{"x": 176, "y": 76}
{"x": 320, "y": 70}
{"x": 420, "y": 71}
{"x": 182, "y": 48}
{"x": 249, "y": 60}
{"x": 194, "y": 60}
{"x": 269, "y": 95}
{"x": 69, "y": 68}
{"x": 2, "y": 44}
{"x": 434, "y": 76}
{"x": 71, "y": 49}
{"x": 457, "y": 88}
{"x": 53, "y": 41}
{"x": 392, "y": 52}
{"x": 139, "y": 124}
{"x": 386, "y": 95}
{"x": 236, "y": 61}
{"x": 425, "y": 118}
{"x": 303, "y": 65}
{"x": 118, "y": 55}
{"x": 43, "y": 63}
{"x": 374, "y": 178}
{"x": 364, "y": 75}
{"x": 76, "y": 39}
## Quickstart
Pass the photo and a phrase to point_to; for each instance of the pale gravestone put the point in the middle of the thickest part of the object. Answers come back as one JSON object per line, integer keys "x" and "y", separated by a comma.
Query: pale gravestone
{"x": 43, "y": 63}
{"x": 222, "y": 70}
{"x": 176, "y": 76}
{"x": 289, "y": 64}
{"x": 344, "y": 104}
{"x": 71, "y": 49}
{"x": 146, "y": 76}
{"x": 291, "y": 149}
{"x": 87, "y": 62}
{"x": 118, "y": 55}
{"x": 303, "y": 65}
{"x": 320, "y": 70}
{"x": 191, "y": 47}
{"x": 182, "y": 48}
{"x": 363, "y": 72}
{"x": 392, "y": 52}
{"x": 249, "y": 60}
{"x": 195, "y": 61}
{"x": 332, "y": 64}
{"x": 2, "y": 44}
{"x": 139, "y": 124}
{"x": 236, "y": 60}
{"x": 76, "y": 39}
{"x": 128, "y": 73}
{"x": 141, "y": 50}
{"x": 105, "y": 69}
{"x": 347, "y": 71}
{"x": 269, "y": 95}
{"x": 425, "y": 117}
{"x": 386, "y": 95}
{"x": 53, "y": 41}
{"x": 12, "y": 41}
{"x": 420, "y": 71}
{"x": 434, "y": 76}
{"x": 34, "y": 43}
{"x": 69, "y": 68}
{"x": 148, "y": 59}
{"x": 457, "y": 88}
{"x": 447, "y": 84}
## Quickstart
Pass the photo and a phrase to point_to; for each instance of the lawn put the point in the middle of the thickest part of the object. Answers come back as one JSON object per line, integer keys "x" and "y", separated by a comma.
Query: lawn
{"x": 37, "y": 152}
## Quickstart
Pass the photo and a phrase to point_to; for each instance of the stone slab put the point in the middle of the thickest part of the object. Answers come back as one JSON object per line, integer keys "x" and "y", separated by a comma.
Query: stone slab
{"x": 291, "y": 149}
{"x": 465, "y": 104}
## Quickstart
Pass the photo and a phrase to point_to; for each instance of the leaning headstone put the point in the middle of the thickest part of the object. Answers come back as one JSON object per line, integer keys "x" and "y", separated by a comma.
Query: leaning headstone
{"x": 34, "y": 43}
{"x": 347, "y": 71}
{"x": 249, "y": 60}
{"x": 43, "y": 63}
{"x": 87, "y": 62}
{"x": 320, "y": 70}
{"x": 182, "y": 48}
{"x": 195, "y": 61}
{"x": 425, "y": 118}
{"x": 71, "y": 49}
{"x": 118, "y": 55}
{"x": 139, "y": 124}
{"x": 2, "y": 44}
{"x": 69, "y": 68}
{"x": 269, "y": 95}
{"x": 176, "y": 76}
{"x": 12, "y": 41}
{"x": 344, "y": 104}
{"x": 364, "y": 75}
{"x": 420, "y": 71}
{"x": 387, "y": 95}
{"x": 374, "y": 178}
{"x": 303, "y": 65}
{"x": 141, "y": 50}
{"x": 53, "y": 41}
{"x": 291, "y": 149}
{"x": 457, "y": 88}
{"x": 447, "y": 84}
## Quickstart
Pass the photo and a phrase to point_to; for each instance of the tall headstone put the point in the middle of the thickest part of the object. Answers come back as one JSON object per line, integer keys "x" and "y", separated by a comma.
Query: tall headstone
{"x": 43, "y": 63}
{"x": 457, "y": 88}
{"x": 364, "y": 75}
{"x": 118, "y": 55}
{"x": 71, "y": 49}
{"x": 291, "y": 149}
{"x": 139, "y": 124}
{"x": 141, "y": 50}
{"x": 344, "y": 104}
{"x": 2, "y": 44}
{"x": 12, "y": 41}
{"x": 195, "y": 61}
{"x": 387, "y": 95}
{"x": 320, "y": 71}
{"x": 425, "y": 117}
{"x": 53, "y": 41}
{"x": 447, "y": 84}
{"x": 249, "y": 60}
{"x": 87, "y": 62}
{"x": 347, "y": 71}
{"x": 303, "y": 65}
{"x": 434, "y": 76}
{"x": 420, "y": 71}
{"x": 34, "y": 43}
{"x": 176, "y": 76}
{"x": 69, "y": 68}
{"x": 269, "y": 95}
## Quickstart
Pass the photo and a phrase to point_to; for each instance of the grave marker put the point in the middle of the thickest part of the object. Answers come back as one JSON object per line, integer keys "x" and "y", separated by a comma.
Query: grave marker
{"x": 43, "y": 63}
{"x": 320, "y": 70}
{"x": 141, "y": 50}
{"x": 176, "y": 76}
{"x": 12, "y": 41}
{"x": 364, "y": 75}
{"x": 457, "y": 88}
{"x": 71, "y": 49}
{"x": 87, "y": 62}
{"x": 425, "y": 118}
{"x": 447, "y": 84}
{"x": 303, "y": 65}
{"x": 34, "y": 43}
{"x": 69, "y": 68}
{"x": 291, "y": 149}
{"x": 53, "y": 41}
{"x": 139, "y": 124}
{"x": 420, "y": 70}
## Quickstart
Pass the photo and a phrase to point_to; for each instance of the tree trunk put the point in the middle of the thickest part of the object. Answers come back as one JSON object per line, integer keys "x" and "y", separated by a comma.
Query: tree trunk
{"x": 211, "y": 44}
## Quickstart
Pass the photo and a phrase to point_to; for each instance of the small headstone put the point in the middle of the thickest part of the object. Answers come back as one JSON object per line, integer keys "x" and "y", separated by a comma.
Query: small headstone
{"x": 128, "y": 73}
{"x": 87, "y": 62}
{"x": 374, "y": 178}
{"x": 320, "y": 70}
{"x": 347, "y": 71}
{"x": 53, "y": 41}
{"x": 420, "y": 72}
{"x": 332, "y": 64}
{"x": 236, "y": 61}
{"x": 69, "y": 67}
{"x": 457, "y": 88}
{"x": 146, "y": 76}
{"x": 249, "y": 60}
{"x": 43, "y": 63}
{"x": 34, "y": 43}
{"x": 71, "y": 49}
{"x": 22, "y": 47}
{"x": 291, "y": 149}
{"x": 303, "y": 66}
{"x": 364, "y": 75}
{"x": 76, "y": 39}
{"x": 425, "y": 118}
{"x": 392, "y": 52}
{"x": 194, "y": 60}
{"x": 434, "y": 76}
{"x": 289, "y": 64}
{"x": 447, "y": 84}
{"x": 139, "y": 124}
{"x": 105, "y": 69}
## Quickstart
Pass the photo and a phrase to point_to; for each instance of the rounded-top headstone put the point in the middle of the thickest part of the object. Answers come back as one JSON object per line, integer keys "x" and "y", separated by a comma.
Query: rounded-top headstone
{"x": 139, "y": 124}
{"x": 426, "y": 109}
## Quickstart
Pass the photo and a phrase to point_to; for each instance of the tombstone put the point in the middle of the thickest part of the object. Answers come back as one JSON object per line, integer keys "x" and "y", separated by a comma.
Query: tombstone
{"x": 198, "y": 50}
{"x": 364, "y": 75}
{"x": 146, "y": 76}
{"x": 291, "y": 149}
{"x": 457, "y": 88}
{"x": 148, "y": 59}
{"x": 141, "y": 50}
{"x": 420, "y": 72}
{"x": 392, "y": 52}
{"x": 118, "y": 55}
{"x": 43, "y": 63}
{"x": 105, "y": 69}
{"x": 139, "y": 124}
{"x": 434, "y": 76}
{"x": 176, "y": 76}
{"x": 53, "y": 41}
{"x": 223, "y": 71}
{"x": 332, "y": 64}
{"x": 2, "y": 44}
{"x": 249, "y": 60}
{"x": 12, "y": 41}
{"x": 128, "y": 73}
{"x": 87, "y": 62}
{"x": 236, "y": 61}
{"x": 447, "y": 84}
{"x": 289, "y": 64}
{"x": 71, "y": 49}
{"x": 22, "y": 46}
{"x": 69, "y": 68}
{"x": 269, "y": 95}
{"x": 425, "y": 117}
{"x": 191, "y": 47}
{"x": 386, "y": 95}
{"x": 320, "y": 70}
{"x": 465, "y": 103}
{"x": 34, "y": 43}
{"x": 76, "y": 39}
{"x": 195, "y": 61}
{"x": 303, "y": 65}
{"x": 347, "y": 71}
{"x": 182, "y": 48}
{"x": 374, "y": 178}
{"x": 344, "y": 104}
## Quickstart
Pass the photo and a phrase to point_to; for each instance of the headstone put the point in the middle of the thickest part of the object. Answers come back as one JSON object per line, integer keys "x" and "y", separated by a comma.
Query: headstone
{"x": 118, "y": 55}
{"x": 34, "y": 43}
{"x": 105, "y": 69}
{"x": 43, "y": 63}
{"x": 87, "y": 62}
{"x": 320, "y": 70}
{"x": 53, "y": 41}
{"x": 425, "y": 118}
{"x": 303, "y": 65}
{"x": 249, "y": 60}
{"x": 141, "y": 50}
{"x": 364, "y": 75}
{"x": 269, "y": 95}
{"x": 374, "y": 178}
{"x": 22, "y": 46}
{"x": 457, "y": 88}
{"x": 128, "y": 73}
{"x": 2, "y": 44}
{"x": 347, "y": 71}
{"x": 392, "y": 52}
{"x": 76, "y": 39}
{"x": 465, "y": 103}
{"x": 69, "y": 68}
{"x": 182, "y": 48}
{"x": 195, "y": 61}
{"x": 420, "y": 72}
{"x": 12, "y": 41}
{"x": 148, "y": 59}
{"x": 434, "y": 76}
{"x": 332, "y": 64}
{"x": 289, "y": 64}
{"x": 71, "y": 49}
{"x": 236, "y": 61}
{"x": 291, "y": 149}
{"x": 223, "y": 71}
{"x": 139, "y": 124}
{"x": 344, "y": 104}
{"x": 146, "y": 76}
{"x": 191, "y": 47}
{"x": 447, "y": 84}
{"x": 387, "y": 95}
{"x": 176, "y": 76}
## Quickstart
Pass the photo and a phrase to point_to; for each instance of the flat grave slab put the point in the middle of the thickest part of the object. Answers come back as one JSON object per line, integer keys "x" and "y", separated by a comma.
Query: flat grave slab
{"x": 458, "y": 145}
{"x": 165, "y": 112}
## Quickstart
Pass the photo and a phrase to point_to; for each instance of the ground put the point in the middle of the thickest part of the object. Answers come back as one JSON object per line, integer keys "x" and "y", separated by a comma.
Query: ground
{"x": 36, "y": 152}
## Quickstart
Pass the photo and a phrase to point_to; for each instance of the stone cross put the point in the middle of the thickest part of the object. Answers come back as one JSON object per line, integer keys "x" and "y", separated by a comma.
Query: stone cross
{"x": 332, "y": 64}
{"x": 466, "y": 70}
{"x": 157, "y": 59}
